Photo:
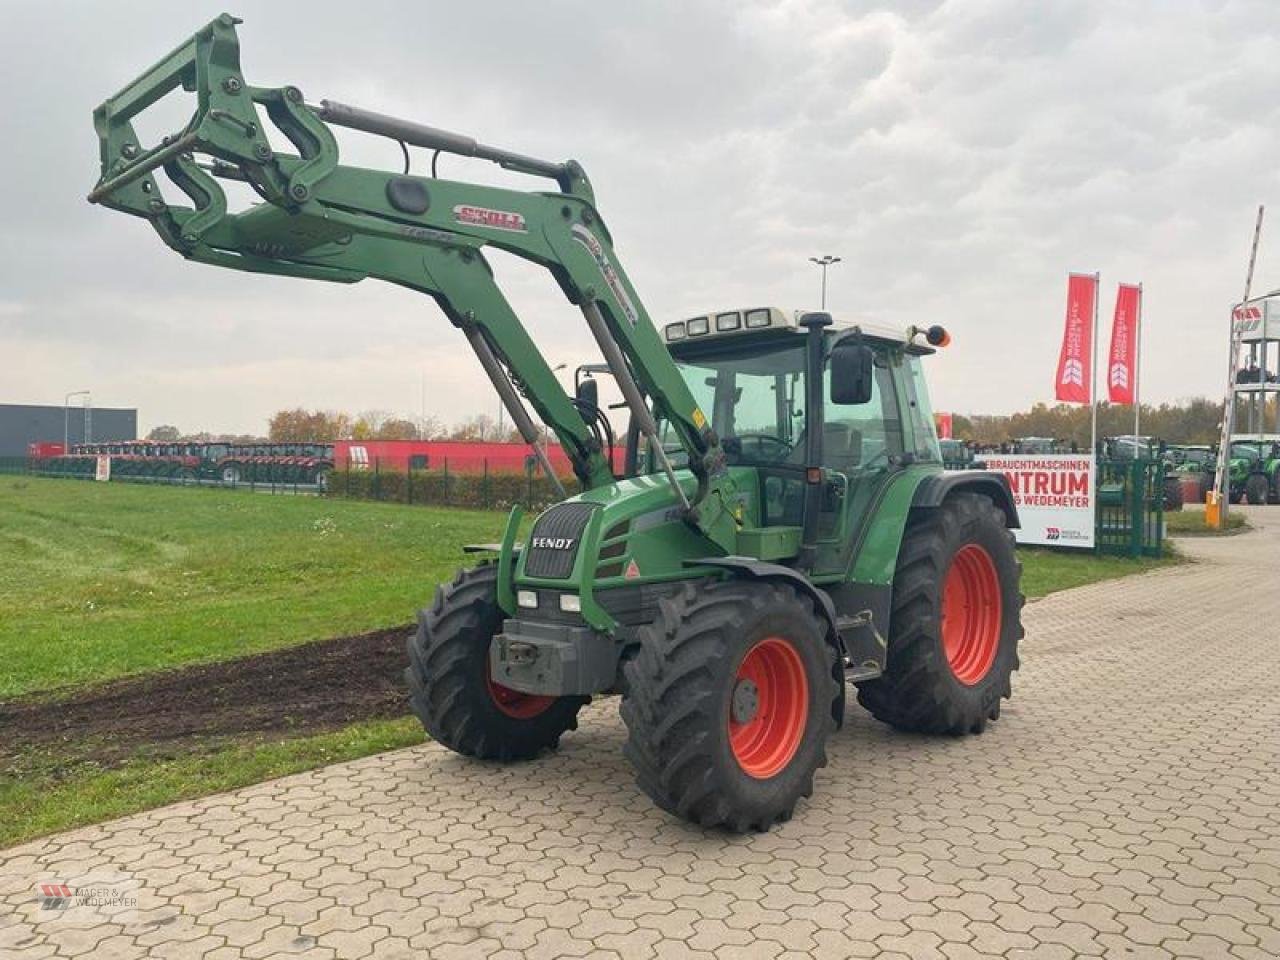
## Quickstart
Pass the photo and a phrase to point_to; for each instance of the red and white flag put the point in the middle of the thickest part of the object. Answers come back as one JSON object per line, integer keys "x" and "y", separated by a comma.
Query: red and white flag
{"x": 1074, "y": 383}
{"x": 1122, "y": 364}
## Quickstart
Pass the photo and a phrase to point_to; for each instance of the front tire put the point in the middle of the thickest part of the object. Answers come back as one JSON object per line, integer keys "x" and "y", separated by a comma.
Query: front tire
{"x": 956, "y": 622}
{"x": 451, "y": 686}
{"x": 729, "y": 703}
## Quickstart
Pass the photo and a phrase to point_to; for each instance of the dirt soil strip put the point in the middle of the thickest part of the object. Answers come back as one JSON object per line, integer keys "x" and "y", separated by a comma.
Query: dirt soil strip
{"x": 305, "y": 689}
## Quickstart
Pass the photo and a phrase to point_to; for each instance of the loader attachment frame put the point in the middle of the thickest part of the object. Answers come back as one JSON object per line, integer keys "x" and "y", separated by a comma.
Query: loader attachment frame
{"x": 325, "y": 221}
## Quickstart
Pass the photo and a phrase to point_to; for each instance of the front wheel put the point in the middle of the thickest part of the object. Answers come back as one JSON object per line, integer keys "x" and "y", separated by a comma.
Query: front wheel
{"x": 729, "y": 703}
{"x": 956, "y": 622}
{"x": 451, "y": 686}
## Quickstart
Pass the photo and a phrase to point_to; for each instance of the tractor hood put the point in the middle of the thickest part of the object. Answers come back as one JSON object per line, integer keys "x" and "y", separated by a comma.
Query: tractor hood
{"x": 624, "y": 534}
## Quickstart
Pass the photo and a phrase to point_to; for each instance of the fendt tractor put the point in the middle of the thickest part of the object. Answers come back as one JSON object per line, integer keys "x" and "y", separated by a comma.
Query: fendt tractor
{"x": 785, "y": 525}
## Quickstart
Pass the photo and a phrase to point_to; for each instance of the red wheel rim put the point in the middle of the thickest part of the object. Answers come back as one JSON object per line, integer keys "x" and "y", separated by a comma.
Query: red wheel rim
{"x": 521, "y": 706}
{"x": 772, "y": 678}
{"x": 971, "y": 614}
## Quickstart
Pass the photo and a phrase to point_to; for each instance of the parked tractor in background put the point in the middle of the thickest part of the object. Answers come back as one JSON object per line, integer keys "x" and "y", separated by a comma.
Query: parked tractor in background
{"x": 785, "y": 526}
{"x": 958, "y": 455}
{"x": 295, "y": 463}
{"x": 1040, "y": 445}
{"x": 1150, "y": 449}
{"x": 1193, "y": 465}
{"x": 1253, "y": 471}
{"x": 190, "y": 462}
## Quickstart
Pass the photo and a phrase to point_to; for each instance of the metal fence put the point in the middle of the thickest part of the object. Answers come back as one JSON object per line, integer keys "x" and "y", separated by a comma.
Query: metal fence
{"x": 478, "y": 486}
{"x": 475, "y": 486}
{"x": 265, "y": 478}
{"x": 1130, "y": 507}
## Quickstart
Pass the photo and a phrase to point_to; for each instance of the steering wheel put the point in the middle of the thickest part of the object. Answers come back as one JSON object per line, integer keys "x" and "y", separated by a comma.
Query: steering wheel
{"x": 880, "y": 455}
{"x": 781, "y": 448}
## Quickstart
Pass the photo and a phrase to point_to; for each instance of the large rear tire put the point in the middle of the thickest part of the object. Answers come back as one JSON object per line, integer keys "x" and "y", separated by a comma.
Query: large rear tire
{"x": 729, "y": 703}
{"x": 451, "y": 686}
{"x": 1256, "y": 489}
{"x": 956, "y": 621}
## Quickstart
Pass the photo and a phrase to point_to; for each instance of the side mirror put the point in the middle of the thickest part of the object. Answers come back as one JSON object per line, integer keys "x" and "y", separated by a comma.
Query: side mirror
{"x": 853, "y": 371}
{"x": 587, "y": 393}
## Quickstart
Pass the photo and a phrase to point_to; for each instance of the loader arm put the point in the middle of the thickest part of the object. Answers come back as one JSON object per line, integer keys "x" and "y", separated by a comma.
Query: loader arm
{"x": 325, "y": 221}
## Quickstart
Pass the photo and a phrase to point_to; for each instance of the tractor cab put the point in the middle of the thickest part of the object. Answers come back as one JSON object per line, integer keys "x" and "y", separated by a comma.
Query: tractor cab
{"x": 821, "y": 412}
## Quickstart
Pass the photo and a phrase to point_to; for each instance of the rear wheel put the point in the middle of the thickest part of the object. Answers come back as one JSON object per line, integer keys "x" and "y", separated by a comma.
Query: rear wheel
{"x": 231, "y": 474}
{"x": 452, "y": 690}
{"x": 729, "y": 703}
{"x": 956, "y": 622}
{"x": 1256, "y": 489}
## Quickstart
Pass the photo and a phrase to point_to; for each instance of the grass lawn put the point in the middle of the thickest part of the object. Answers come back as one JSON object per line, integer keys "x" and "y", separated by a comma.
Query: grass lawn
{"x": 56, "y": 796}
{"x": 1191, "y": 522}
{"x": 1046, "y": 571}
{"x": 100, "y": 580}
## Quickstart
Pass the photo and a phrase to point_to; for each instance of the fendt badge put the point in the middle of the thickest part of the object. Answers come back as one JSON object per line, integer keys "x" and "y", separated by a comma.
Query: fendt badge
{"x": 554, "y": 543}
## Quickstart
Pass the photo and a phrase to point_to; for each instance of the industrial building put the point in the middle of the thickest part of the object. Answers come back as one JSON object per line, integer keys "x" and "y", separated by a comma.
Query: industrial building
{"x": 22, "y": 424}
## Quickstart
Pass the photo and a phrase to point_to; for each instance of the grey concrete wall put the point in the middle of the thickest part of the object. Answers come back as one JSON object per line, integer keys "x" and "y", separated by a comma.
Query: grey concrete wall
{"x": 21, "y": 424}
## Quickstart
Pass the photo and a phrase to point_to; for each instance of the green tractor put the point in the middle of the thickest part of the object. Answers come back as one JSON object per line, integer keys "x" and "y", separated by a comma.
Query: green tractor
{"x": 958, "y": 455}
{"x": 1151, "y": 450}
{"x": 1198, "y": 461}
{"x": 785, "y": 527}
{"x": 1253, "y": 471}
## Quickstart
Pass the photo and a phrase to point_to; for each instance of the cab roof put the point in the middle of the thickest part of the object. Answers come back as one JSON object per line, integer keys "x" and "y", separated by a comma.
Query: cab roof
{"x": 751, "y": 320}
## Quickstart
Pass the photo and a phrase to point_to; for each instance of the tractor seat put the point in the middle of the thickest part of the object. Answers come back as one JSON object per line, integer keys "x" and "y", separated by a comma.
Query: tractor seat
{"x": 841, "y": 446}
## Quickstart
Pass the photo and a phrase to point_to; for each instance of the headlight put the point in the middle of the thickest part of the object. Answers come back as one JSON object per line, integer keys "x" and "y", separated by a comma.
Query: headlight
{"x": 697, "y": 326}
{"x": 527, "y": 599}
{"x": 758, "y": 318}
{"x": 570, "y": 603}
{"x": 675, "y": 331}
{"x": 728, "y": 321}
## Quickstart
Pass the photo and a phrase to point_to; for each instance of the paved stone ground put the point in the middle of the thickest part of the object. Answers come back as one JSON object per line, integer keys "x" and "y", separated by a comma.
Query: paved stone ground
{"x": 1127, "y": 804}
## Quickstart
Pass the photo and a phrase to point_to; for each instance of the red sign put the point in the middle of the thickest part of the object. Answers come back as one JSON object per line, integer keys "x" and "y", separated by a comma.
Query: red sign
{"x": 1074, "y": 383}
{"x": 943, "y": 421}
{"x": 1122, "y": 364}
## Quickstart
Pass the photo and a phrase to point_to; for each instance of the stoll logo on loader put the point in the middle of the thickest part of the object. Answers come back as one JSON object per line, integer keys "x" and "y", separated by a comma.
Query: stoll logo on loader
{"x": 484, "y": 217}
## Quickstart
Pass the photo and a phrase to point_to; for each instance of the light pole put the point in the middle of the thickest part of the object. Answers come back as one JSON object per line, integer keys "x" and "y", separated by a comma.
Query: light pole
{"x": 66, "y": 417}
{"x": 824, "y": 262}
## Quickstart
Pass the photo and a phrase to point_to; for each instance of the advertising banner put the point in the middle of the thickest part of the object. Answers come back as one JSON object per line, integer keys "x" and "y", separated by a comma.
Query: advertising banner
{"x": 102, "y": 469}
{"x": 1074, "y": 382}
{"x": 1122, "y": 367}
{"x": 1257, "y": 320}
{"x": 1054, "y": 495}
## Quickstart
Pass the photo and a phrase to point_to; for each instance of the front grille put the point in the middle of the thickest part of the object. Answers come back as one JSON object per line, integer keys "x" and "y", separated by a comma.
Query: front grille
{"x": 565, "y": 523}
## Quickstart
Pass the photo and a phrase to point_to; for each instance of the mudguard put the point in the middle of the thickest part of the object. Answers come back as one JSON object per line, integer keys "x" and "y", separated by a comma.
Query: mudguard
{"x": 934, "y": 490}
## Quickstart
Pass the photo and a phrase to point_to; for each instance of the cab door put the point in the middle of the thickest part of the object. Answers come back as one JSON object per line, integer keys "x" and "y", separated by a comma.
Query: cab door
{"x": 863, "y": 448}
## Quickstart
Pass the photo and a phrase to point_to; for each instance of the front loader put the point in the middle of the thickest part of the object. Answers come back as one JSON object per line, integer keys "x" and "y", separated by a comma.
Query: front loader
{"x": 785, "y": 526}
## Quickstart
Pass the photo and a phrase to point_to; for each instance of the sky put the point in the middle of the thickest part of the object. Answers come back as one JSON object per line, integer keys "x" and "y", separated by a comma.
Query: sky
{"x": 960, "y": 157}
